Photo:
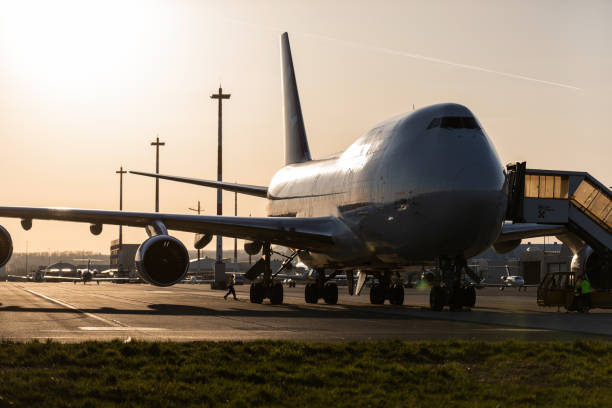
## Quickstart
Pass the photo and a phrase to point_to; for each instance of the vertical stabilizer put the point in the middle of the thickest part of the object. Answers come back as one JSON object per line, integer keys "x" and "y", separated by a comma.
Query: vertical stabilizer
{"x": 296, "y": 144}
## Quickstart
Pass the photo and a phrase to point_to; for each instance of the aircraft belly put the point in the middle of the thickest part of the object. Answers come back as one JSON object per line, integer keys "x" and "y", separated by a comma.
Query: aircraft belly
{"x": 431, "y": 225}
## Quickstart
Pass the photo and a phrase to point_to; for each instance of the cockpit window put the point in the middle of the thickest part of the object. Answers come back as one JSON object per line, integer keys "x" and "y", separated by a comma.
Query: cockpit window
{"x": 454, "y": 122}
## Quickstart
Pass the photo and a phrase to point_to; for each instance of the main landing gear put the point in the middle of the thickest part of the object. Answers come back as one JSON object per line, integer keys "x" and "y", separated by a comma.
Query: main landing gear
{"x": 267, "y": 288}
{"x": 386, "y": 289}
{"x": 450, "y": 290}
{"x": 322, "y": 289}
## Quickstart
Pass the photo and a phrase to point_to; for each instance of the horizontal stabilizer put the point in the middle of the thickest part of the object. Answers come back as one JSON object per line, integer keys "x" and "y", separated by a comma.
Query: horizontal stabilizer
{"x": 257, "y": 191}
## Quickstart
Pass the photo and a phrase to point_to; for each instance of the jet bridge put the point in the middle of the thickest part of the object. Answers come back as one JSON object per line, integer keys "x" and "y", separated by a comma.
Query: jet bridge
{"x": 575, "y": 200}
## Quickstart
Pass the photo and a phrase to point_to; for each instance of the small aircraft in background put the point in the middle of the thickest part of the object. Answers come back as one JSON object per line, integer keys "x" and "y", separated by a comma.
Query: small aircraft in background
{"x": 510, "y": 281}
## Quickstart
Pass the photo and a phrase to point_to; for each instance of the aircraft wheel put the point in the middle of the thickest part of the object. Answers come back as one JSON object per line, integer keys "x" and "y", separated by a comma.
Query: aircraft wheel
{"x": 397, "y": 294}
{"x": 469, "y": 297}
{"x": 377, "y": 294}
{"x": 330, "y": 293}
{"x": 276, "y": 296}
{"x": 258, "y": 293}
{"x": 457, "y": 300}
{"x": 437, "y": 298}
{"x": 310, "y": 293}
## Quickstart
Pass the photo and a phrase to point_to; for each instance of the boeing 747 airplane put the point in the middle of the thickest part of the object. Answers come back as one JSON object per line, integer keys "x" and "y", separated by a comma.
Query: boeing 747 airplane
{"x": 424, "y": 188}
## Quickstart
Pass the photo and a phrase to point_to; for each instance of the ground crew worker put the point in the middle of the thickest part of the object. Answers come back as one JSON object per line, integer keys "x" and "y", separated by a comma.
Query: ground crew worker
{"x": 230, "y": 288}
{"x": 585, "y": 293}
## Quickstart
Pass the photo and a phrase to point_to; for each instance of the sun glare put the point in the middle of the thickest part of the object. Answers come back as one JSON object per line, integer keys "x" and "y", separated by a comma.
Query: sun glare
{"x": 68, "y": 47}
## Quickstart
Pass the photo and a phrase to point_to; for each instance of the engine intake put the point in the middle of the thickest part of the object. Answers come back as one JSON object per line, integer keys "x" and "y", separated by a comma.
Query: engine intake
{"x": 595, "y": 265}
{"x": 162, "y": 260}
{"x": 6, "y": 246}
{"x": 253, "y": 248}
{"x": 201, "y": 240}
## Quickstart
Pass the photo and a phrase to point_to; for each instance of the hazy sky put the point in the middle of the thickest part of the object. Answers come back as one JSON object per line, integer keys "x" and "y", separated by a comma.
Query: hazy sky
{"x": 85, "y": 86}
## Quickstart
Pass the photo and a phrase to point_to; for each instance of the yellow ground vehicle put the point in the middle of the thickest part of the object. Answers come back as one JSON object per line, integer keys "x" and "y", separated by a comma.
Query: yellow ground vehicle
{"x": 558, "y": 289}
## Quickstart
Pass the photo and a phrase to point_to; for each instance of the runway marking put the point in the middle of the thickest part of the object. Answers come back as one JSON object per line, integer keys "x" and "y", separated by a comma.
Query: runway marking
{"x": 119, "y": 328}
{"x": 113, "y": 323}
{"x": 514, "y": 330}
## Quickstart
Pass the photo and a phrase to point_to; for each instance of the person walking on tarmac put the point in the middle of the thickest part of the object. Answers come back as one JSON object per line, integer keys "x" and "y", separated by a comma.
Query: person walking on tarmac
{"x": 585, "y": 293}
{"x": 230, "y": 287}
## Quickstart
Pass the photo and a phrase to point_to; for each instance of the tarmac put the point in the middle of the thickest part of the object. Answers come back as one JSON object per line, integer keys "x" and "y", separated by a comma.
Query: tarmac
{"x": 188, "y": 312}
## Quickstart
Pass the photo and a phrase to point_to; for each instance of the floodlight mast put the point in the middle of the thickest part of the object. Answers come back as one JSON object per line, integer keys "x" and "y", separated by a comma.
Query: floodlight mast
{"x": 121, "y": 172}
{"x": 220, "y": 96}
{"x": 157, "y": 143}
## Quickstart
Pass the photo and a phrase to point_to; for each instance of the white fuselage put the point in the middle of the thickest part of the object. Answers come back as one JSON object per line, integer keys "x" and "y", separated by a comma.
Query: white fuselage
{"x": 409, "y": 191}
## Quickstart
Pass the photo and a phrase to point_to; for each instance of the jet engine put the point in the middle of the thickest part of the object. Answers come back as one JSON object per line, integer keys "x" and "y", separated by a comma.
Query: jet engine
{"x": 252, "y": 248}
{"x": 162, "y": 260}
{"x": 201, "y": 240}
{"x": 507, "y": 246}
{"x": 6, "y": 246}
{"x": 595, "y": 265}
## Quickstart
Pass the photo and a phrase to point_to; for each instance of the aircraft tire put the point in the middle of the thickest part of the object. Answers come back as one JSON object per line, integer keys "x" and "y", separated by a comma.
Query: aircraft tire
{"x": 330, "y": 293}
{"x": 457, "y": 299}
{"x": 436, "y": 298}
{"x": 258, "y": 293}
{"x": 377, "y": 294}
{"x": 469, "y": 297}
{"x": 276, "y": 295}
{"x": 310, "y": 293}
{"x": 397, "y": 294}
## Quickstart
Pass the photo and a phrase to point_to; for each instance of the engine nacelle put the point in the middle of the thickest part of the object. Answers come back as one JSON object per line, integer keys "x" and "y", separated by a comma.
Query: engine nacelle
{"x": 253, "y": 248}
{"x": 162, "y": 260}
{"x": 95, "y": 229}
{"x": 596, "y": 266}
{"x": 201, "y": 240}
{"x": 6, "y": 246}
{"x": 506, "y": 246}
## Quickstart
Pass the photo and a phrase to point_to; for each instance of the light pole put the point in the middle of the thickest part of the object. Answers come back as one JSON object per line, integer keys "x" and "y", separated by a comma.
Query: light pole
{"x": 220, "y": 96}
{"x": 198, "y": 211}
{"x": 235, "y": 239}
{"x": 26, "y": 265}
{"x": 121, "y": 172}
{"x": 157, "y": 143}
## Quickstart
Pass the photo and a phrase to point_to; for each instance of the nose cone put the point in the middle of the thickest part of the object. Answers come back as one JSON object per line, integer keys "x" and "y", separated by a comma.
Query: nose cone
{"x": 460, "y": 181}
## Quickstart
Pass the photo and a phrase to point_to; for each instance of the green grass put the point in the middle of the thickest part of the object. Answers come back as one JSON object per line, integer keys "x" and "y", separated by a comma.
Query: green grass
{"x": 266, "y": 373}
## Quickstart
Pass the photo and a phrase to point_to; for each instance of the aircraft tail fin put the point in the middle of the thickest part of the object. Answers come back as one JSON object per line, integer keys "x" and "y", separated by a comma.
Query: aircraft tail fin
{"x": 296, "y": 144}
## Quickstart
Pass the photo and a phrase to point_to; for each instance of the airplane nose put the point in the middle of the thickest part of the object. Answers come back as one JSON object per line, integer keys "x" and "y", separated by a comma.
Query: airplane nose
{"x": 480, "y": 203}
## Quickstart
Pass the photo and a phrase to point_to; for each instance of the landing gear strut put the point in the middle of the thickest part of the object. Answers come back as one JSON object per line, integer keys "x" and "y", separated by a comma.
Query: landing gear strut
{"x": 386, "y": 289}
{"x": 451, "y": 290}
{"x": 322, "y": 289}
{"x": 267, "y": 287}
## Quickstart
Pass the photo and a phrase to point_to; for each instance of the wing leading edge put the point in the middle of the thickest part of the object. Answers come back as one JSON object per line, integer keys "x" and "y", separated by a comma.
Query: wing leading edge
{"x": 257, "y": 191}
{"x": 513, "y": 232}
{"x": 302, "y": 233}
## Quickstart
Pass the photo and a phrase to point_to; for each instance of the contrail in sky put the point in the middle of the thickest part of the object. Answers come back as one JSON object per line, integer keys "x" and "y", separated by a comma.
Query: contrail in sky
{"x": 444, "y": 62}
{"x": 416, "y": 56}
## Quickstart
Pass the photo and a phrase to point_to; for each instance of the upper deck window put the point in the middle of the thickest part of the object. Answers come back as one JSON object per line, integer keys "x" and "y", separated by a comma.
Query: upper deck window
{"x": 454, "y": 122}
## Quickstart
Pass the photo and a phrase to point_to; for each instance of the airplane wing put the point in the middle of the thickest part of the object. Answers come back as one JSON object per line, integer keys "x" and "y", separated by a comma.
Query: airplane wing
{"x": 513, "y": 232}
{"x": 302, "y": 233}
{"x": 257, "y": 191}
